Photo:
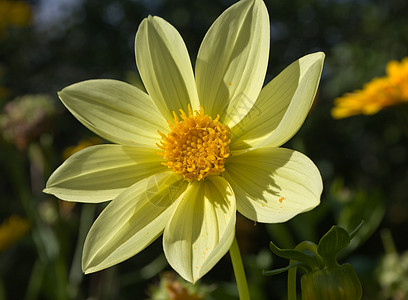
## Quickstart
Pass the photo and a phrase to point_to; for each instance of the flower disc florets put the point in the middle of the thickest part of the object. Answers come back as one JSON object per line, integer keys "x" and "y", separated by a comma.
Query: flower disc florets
{"x": 197, "y": 146}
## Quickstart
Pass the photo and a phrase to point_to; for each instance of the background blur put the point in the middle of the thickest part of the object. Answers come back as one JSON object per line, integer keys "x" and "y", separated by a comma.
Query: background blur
{"x": 46, "y": 45}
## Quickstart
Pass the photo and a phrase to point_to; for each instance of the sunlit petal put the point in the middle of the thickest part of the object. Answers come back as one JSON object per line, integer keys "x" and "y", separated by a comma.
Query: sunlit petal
{"x": 232, "y": 60}
{"x": 131, "y": 221}
{"x": 273, "y": 185}
{"x": 282, "y": 106}
{"x": 116, "y": 111}
{"x": 201, "y": 229}
{"x": 165, "y": 66}
{"x": 100, "y": 173}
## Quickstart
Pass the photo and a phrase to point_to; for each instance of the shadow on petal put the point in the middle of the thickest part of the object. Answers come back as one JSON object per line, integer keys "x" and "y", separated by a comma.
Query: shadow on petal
{"x": 272, "y": 185}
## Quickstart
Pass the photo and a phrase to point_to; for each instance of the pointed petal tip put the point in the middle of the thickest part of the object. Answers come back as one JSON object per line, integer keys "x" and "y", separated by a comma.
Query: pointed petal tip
{"x": 89, "y": 267}
{"x": 47, "y": 191}
{"x": 150, "y": 19}
{"x": 319, "y": 55}
{"x": 84, "y": 268}
{"x": 87, "y": 270}
{"x": 322, "y": 54}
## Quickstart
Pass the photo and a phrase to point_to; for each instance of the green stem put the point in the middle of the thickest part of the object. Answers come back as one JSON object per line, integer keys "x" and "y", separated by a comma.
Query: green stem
{"x": 239, "y": 271}
{"x": 292, "y": 282}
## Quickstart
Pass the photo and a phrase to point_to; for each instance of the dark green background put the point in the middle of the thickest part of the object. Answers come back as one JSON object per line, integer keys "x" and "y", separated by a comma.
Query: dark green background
{"x": 363, "y": 159}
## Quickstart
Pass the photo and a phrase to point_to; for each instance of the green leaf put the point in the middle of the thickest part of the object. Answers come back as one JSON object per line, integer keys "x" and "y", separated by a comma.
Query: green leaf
{"x": 332, "y": 242}
{"x": 281, "y": 270}
{"x": 355, "y": 231}
{"x": 294, "y": 255}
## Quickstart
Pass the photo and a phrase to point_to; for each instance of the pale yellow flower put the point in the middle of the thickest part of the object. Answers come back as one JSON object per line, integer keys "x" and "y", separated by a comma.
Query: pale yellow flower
{"x": 376, "y": 94}
{"x": 186, "y": 177}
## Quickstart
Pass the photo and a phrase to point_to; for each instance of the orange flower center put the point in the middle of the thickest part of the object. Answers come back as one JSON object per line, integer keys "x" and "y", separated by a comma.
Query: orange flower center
{"x": 197, "y": 146}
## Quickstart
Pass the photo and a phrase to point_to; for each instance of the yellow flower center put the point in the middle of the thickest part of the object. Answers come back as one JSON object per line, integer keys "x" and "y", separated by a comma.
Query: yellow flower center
{"x": 197, "y": 146}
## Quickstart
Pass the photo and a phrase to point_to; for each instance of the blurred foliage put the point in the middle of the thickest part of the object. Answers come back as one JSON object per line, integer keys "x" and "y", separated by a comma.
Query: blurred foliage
{"x": 392, "y": 271}
{"x": 363, "y": 160}
{"x": 25, "y": 118}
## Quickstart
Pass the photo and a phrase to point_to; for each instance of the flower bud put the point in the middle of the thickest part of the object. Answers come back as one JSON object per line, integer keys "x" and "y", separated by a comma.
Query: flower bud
{"x": 335, "y": 283}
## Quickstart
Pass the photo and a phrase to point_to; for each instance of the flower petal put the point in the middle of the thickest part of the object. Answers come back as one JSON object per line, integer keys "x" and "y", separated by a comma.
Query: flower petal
{"x": 232, "y": 60}
{"x": 273, "y": 185}
{"x": 131, "y": 221}
{"x": 165, "y": 66}
{"x": 201, "y": 229}
{"x": 282, "y": 106}
{"x": 115, "y": 110}
{"x": 100, "y": 173}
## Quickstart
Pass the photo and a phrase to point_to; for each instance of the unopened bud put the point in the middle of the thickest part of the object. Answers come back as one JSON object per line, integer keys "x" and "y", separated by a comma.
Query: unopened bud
{"x": 335, "y": 283}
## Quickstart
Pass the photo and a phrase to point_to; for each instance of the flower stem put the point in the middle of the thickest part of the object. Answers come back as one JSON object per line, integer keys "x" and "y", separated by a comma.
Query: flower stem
{"x": 239, "y": 271}
{"x": 292, "y": 282}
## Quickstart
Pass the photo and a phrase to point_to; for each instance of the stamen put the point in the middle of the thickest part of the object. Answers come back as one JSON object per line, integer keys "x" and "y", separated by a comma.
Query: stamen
{"x": 197, "y": 146}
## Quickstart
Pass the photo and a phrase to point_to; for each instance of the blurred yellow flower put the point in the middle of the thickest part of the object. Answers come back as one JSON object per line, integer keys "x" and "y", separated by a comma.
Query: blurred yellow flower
{"x": 14, "y": 13}
{"x": 11, "y": 230}
{"x": 377, "y": 94}
{"x": 186, "y": 177}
